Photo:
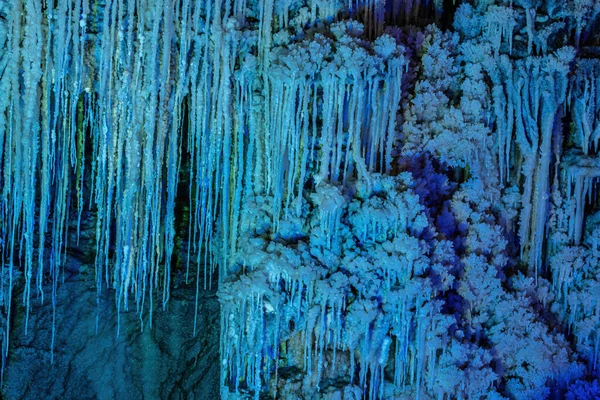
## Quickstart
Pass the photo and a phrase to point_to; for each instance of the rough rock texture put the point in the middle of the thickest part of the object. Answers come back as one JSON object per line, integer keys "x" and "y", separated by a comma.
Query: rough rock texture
{"x": 164, "y": 362}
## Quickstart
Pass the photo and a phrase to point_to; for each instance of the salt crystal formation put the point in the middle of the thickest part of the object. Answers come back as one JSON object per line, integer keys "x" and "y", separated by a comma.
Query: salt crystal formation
{"x": 396, "y": 199}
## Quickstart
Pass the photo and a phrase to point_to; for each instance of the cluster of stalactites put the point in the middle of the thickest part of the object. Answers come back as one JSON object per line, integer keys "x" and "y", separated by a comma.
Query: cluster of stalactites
{"x": 574, "y": 283}
{"x": 292, "y": 308}
{"x": 581, "y": 174}
{"x": 125, "y": 79}
{"x": 585, "y": 104}
{"x": 580, "y": 165}
{"x": 41, "y": 75}
{"x": 334, "y": 109}
{"x": 531, "y": 94}
{"x": 529, "y": 97}
{"x": 270, "y": 321}
{"x": 82, "y": 67}
{"x": 265, "y": 122}
{"x": 115, "y": 73}
{"x": 143, "y": 81}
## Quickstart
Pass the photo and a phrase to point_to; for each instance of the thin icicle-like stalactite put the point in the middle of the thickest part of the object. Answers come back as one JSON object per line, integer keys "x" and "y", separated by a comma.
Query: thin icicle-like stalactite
{"x": 504, "y": 112}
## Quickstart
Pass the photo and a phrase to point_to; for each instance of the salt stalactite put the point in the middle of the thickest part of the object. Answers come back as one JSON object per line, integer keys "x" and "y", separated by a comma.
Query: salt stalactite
{"x": 200, "y": 222}
{"x": 63, "y": 125}
{"x": 504, "y": 113}
{"x": 331, "y": 206}
{"x": 530, "y": 14}
{"x": 537, "y": 92}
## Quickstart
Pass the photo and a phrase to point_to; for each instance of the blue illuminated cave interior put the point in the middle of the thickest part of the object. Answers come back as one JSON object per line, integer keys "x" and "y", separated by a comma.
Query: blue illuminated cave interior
{"x": 300, "y": 199}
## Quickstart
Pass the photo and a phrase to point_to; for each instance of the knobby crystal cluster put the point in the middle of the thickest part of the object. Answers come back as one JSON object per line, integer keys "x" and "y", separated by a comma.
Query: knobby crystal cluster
{"x": 396, "y": 199}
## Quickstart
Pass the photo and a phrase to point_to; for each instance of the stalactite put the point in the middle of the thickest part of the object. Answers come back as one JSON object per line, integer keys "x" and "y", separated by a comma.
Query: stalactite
{"x": 502, "y": 100}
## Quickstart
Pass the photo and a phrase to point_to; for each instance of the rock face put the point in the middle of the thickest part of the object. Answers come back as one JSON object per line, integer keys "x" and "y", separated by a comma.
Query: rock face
{"x": 165, "y": 361}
